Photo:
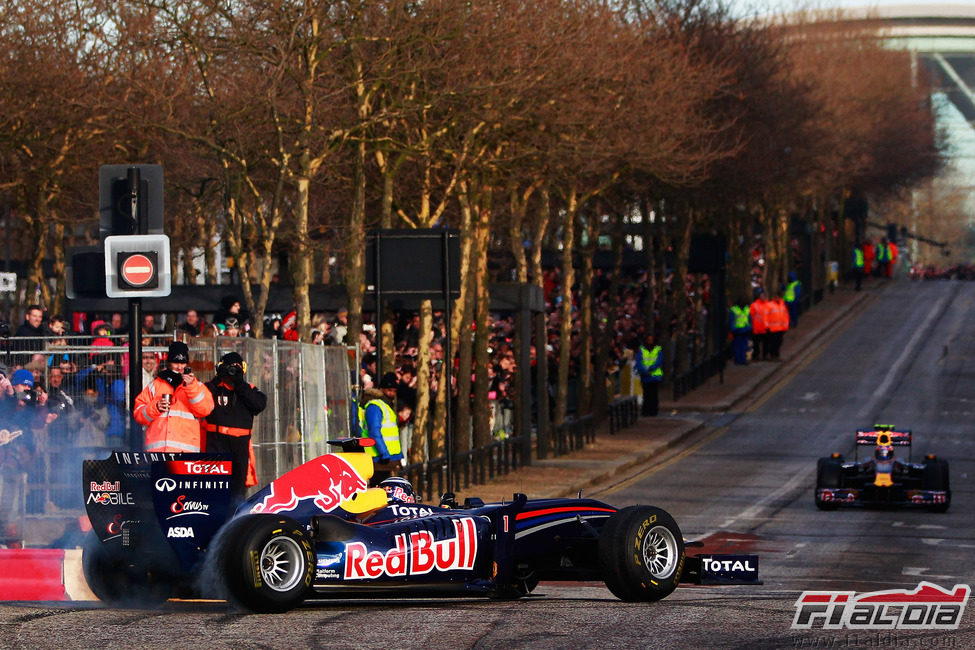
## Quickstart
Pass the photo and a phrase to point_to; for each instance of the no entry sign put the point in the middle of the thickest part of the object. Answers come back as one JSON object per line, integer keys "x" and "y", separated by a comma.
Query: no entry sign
{"x": 137, "y": 270}
{"x": 137, "y": 266}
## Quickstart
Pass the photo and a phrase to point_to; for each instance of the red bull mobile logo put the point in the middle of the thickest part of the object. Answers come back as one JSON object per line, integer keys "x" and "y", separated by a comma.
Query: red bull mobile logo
{"x": 328, "y": 481}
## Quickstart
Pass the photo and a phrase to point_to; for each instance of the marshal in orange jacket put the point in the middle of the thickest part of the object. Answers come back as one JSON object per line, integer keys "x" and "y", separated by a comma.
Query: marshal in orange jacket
{"x": 777, "y": 316}
{"x": 178, "y": 429}
{"x": 760, "y": 311}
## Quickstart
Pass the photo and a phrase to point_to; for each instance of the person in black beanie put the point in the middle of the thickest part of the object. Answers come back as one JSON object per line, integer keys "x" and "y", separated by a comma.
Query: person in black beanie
{"x": 228, "y": 427}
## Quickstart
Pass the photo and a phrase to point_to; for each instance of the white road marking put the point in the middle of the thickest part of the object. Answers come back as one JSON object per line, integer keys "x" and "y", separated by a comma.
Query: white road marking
{"x": 901, "y": 524}
{"x": 753, "y": 512}
{"x": 921, "y": 572}
{"x": 908, "y": 353}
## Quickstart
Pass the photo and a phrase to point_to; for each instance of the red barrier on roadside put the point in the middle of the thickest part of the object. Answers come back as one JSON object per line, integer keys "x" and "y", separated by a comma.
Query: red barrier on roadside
{"x": 32, "y": 574}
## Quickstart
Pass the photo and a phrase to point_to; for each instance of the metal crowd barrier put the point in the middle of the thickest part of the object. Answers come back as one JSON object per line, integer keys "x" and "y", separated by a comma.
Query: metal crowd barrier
{"x": 309, "y": 402}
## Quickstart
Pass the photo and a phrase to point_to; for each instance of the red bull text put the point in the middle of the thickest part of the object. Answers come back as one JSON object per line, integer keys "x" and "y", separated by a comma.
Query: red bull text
{"x": 415, "y": 553}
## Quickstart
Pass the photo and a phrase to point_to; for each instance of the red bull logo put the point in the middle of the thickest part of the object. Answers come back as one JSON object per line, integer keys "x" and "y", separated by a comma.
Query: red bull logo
{"x": 415, "y": 553}
{"x": 327, "y": 481}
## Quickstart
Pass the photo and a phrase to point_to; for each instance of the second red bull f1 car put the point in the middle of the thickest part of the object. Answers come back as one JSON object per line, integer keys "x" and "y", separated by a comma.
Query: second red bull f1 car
{"x": 162, "y": 526}
{"x": 885, "y": 478}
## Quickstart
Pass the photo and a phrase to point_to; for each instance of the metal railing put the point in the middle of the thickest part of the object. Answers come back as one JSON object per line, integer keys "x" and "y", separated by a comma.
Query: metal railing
{"x": 474, "y": 467}
{"x": 573, "y": 434}
{"x": 700, "y": 373}
{"x": 622, "y": 412}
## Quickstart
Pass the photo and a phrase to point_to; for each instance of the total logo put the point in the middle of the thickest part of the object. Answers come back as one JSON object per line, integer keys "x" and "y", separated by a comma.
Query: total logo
{"x": 415, "y": 553}
{"x": 199, "y": 468}
{"x": 710, "y": 564}
{"x": 180, "y": 532}
{"x": 410, "y": 512}
{"x": 111, "y": 498}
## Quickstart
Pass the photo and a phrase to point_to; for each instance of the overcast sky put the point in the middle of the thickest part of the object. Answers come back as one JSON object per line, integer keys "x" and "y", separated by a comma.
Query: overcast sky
{"x": 752, "y": 7}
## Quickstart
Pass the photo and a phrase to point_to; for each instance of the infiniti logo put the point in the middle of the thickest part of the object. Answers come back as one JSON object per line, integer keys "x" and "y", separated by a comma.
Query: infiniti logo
{"x": 165, "y": 485}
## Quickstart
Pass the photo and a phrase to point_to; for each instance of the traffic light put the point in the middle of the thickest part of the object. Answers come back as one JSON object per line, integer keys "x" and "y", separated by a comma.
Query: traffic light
{"x": 130, "y": 200}
{"x": 85, "y": 272}
{"x": 123, "y": 200}
{"x": 892, "y": 233}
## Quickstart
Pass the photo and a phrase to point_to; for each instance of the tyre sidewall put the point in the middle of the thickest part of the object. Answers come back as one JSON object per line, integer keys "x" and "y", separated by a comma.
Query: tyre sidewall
{"x": 240, "y": 563}
{"x": 935, "y": 477}
{"x": 621, "y": 545}
{"x": 829, "y": 474}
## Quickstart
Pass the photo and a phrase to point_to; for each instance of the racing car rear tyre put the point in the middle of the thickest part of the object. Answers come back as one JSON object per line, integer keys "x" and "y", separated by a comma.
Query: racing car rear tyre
{"x": 122, "y": 581}
{"x": 641, "y": 553}
{"x": 936, "y": 478}
{"x": 267, "y": 563}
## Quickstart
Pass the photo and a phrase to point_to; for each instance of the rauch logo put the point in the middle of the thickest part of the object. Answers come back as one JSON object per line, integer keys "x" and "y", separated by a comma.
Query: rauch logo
{"x": 928, "y": 607}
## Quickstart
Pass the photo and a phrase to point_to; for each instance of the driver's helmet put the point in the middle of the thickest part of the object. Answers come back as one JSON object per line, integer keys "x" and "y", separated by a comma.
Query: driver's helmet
{"x": 399, "y": 489}
{"x": 884, "y": 452}
{"x": 885, "y": 447}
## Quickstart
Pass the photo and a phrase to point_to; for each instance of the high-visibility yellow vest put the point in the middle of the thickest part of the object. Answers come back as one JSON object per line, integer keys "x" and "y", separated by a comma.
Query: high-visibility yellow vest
{"x": 883, "y": 253}
{"x": 389, "y": 430}
{"x": 649, "y": 359}
{"x": 789, "y": 295}
{"x": 742, "y": 317}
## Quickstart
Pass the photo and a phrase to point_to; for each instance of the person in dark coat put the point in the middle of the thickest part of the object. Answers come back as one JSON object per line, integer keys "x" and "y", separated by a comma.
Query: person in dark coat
{"x": 229, "y": 425}
{"x": 28, "y": 335}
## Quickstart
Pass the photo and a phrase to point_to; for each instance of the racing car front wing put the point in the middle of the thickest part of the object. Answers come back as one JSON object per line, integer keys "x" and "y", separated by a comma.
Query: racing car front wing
{"x": 858, "y": 497}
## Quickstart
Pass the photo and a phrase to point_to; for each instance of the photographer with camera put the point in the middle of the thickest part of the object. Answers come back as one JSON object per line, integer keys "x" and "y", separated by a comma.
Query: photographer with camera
{"x": 172, "y": 406}
{"x": 228, "y": 427}
{"x": 23, "y": 418}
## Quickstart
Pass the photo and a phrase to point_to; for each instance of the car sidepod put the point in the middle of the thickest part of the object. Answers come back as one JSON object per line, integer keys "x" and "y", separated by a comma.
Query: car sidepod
{"x": 440, "y": 549}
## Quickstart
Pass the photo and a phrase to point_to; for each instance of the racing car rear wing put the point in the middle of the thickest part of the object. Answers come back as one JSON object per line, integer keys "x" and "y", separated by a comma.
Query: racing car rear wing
{"x": 897, "y": 438}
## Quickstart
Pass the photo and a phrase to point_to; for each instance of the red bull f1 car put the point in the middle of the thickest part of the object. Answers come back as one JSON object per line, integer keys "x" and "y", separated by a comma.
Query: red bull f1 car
{"x": 163, "y": 525}
{"x": 886, "y": 478}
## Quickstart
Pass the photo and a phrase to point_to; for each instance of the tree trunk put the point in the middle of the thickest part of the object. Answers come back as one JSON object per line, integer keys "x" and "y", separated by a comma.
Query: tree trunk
{"x": 587, "y": 381}
{"x": 568, "y": 278}
{"x": 465, "y": 350}
{"x": 421, "y": 417}
{"x": 60, "y": 271}
{"x": 482, "y": 333}
{"x": 453, "y": 332}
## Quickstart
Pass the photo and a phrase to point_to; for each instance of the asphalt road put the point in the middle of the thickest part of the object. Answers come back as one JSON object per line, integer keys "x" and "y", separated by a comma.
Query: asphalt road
{"x": 744, "y": 485}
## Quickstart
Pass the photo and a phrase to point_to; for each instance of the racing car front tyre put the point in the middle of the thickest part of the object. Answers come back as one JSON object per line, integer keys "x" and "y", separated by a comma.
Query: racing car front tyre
{"x": 121, "y": 581}
{"x": 936, "y": 478}
{"x": 829, "y": 474}
{"x": 267, "y": 563}
{"x": 641, "y": 554}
